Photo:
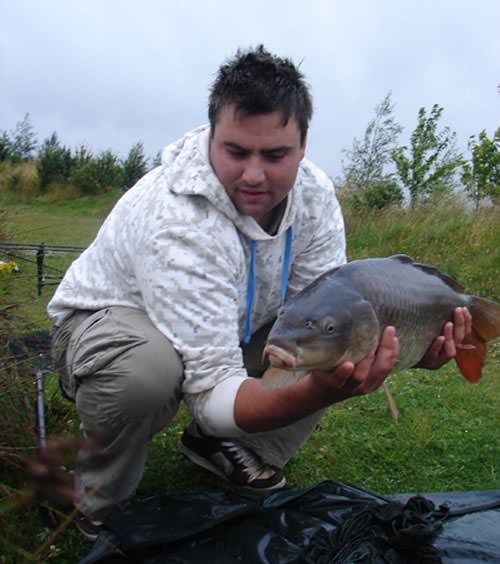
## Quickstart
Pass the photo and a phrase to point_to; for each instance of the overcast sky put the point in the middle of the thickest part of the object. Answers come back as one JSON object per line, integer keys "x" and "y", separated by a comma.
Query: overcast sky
{"x": 109, "y": 73}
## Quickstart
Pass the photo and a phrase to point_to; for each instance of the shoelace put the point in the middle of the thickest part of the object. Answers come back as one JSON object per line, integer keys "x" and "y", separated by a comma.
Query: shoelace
{"x": 252, "y": 465}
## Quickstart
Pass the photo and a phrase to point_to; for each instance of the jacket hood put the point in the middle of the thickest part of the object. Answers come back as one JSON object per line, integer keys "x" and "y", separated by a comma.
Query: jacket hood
{"x": 191, "y": 174}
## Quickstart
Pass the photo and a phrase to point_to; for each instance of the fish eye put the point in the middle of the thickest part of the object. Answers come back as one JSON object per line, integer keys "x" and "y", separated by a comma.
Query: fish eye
{"x": 329, "y": 327}
{"x": 309, "y": 324}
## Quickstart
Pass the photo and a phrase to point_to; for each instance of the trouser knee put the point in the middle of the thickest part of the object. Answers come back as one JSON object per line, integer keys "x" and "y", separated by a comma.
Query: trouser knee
{"x": 120, "y": 368}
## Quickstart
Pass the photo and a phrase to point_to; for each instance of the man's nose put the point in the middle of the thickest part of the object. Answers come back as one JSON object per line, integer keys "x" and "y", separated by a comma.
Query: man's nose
{"x": 253, "y": 172}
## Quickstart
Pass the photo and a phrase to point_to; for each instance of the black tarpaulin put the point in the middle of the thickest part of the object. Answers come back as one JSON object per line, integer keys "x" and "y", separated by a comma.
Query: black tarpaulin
{"x": 327, "y": 523}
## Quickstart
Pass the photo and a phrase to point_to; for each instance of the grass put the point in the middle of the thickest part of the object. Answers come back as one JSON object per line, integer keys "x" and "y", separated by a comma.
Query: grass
{"x": 448, "y": 437}
{"x": 67, "y": 222}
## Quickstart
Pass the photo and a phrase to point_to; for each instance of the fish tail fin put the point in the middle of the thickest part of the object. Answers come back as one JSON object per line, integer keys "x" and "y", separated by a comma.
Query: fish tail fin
{"x": 471, "y": 355}
{"x": 485, "y": 318}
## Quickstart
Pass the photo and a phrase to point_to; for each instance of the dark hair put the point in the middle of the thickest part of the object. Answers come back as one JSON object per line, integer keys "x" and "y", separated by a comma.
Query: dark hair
{"x": 257, "y": 82}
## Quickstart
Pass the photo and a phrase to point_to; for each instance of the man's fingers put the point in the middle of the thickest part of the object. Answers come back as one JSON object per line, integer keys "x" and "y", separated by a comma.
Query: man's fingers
{"x": 436, "y": 347}
{"x": 387, "y": 352}
{"x": 458, "y": 325}
{"x": 462, "y": 324}
{"x": 449, "y": 335}
{"x": 468, "y": 321}
{"x": 363, "y": 367}
{"x": 342, "y": 373}
{"x": 371, "y": 371}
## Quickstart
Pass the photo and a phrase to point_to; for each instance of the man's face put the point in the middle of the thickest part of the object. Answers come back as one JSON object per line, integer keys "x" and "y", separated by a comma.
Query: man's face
{"x": 256, "y": 159}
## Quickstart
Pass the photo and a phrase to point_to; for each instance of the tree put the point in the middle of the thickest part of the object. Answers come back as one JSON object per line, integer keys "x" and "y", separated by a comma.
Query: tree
{"x": 429, "y": 165}
{"x": 54, "y": 162}
{"x": 134, "y": 166}
{"x": 156, "y": 160}
{"x": 82, "y": 156}
{"x": 370, "y": 186}
{"x": 4, "y": 146}
{"x": 369, "y": 157}
{"x": 481, "y": 177}
{"x": 23, "y": 142}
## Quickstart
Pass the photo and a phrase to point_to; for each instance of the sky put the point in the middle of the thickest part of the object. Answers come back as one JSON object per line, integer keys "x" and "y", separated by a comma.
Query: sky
{"x": 110, "y": 73}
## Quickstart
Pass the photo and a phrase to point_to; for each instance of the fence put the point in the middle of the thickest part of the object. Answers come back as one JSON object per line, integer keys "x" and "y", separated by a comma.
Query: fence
{"x": 40, "y": 362}
{"x": 41, "y": 250}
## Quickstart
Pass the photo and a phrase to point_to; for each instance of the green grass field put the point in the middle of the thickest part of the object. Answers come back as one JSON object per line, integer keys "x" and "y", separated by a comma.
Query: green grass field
{"x": 448, "y": 437}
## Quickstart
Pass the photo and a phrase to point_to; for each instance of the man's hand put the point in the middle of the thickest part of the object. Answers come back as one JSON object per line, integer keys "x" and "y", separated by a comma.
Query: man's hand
{"x": 444, "y": 347}
{"x": 367, "y": 375}
{"x": 258, "y": 408}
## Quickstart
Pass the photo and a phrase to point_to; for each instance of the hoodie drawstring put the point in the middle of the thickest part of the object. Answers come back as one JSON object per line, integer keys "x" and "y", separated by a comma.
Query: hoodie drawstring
{"x": 285, "y": 270}
{"x": 250, "y": 292}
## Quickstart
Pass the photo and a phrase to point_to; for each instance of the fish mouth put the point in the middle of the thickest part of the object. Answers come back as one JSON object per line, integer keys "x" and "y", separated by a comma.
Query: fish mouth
{"x": 279, "y": 357}
{"x": 301, "y": 359}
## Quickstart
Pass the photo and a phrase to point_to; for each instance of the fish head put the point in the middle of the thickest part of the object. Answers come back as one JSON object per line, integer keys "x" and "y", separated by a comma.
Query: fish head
{"x": 318, "y": 331}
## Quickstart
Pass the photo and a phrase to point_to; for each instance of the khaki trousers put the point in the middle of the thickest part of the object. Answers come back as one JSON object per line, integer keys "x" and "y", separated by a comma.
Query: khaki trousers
{"x": 126, "y": 378}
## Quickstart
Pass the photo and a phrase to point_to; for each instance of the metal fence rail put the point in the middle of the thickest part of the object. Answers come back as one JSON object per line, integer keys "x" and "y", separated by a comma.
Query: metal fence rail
{"x": 34, "y": 248}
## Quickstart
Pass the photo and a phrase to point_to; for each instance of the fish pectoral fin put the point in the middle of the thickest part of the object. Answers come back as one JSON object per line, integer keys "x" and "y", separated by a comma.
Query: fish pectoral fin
{"x": 470, "y": 357}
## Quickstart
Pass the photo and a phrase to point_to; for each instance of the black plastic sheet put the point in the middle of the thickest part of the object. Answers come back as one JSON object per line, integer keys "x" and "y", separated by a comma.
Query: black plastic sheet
{"x": 228, "y": 527}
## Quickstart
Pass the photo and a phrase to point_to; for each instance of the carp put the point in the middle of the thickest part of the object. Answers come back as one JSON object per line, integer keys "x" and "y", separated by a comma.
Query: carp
{"x": 340, "y": 316}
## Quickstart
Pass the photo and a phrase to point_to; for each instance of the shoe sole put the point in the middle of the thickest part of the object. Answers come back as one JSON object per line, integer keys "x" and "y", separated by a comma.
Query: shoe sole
{"x": 204, "y": 463}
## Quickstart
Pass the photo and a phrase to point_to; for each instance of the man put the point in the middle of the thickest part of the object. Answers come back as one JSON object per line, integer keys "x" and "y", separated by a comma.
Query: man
{"x": 175, "y": 295}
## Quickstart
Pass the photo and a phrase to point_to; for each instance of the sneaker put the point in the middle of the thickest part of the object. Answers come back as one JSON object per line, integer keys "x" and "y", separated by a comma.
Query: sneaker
{"x": 90, "y": 529}
{"x": 230, "y": 461}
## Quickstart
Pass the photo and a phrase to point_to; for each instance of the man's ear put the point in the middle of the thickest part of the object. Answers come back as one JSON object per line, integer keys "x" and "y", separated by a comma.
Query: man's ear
{"x": 303, "y": 146}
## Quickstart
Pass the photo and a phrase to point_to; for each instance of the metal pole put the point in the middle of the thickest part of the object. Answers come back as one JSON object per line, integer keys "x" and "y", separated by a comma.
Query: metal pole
{"x": 40, "y": 254}
{"x": 40, "y": 406}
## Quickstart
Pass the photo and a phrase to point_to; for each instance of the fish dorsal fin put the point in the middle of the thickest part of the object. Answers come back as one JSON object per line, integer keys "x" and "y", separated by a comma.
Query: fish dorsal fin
{"x": 448, "y": 280}
{"x": 402, "y": 258}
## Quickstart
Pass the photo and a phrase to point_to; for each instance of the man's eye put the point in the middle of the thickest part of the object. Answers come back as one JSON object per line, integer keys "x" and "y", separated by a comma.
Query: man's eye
{"x": 237, "y": 154}
{"x": 274, "y": 156}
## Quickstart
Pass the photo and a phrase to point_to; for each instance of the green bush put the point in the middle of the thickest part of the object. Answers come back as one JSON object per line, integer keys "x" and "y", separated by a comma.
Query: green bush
{"x": 20, "y": 179}
{"x": 96, "y": 175}
{"x": 382, "y": 194}
{"x": 54, "y": 163}
{"x": 376, "y": 195}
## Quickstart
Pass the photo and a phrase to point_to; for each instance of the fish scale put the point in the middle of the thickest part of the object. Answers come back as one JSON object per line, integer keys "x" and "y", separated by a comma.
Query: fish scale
{"x": 406, "y": 307}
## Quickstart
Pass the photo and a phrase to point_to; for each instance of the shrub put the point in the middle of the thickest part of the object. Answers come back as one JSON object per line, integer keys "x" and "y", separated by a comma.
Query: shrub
{"x": 375, "y": 196}
{"x": 20, "y": 179}
{"x": 54, "y": 162}
{"x": 97, "y": 174}
{"x": 383, "y": 194}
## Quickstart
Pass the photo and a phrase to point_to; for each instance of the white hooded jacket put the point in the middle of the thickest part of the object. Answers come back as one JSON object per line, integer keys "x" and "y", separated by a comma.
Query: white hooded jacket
{"x": 176, "y": 247}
